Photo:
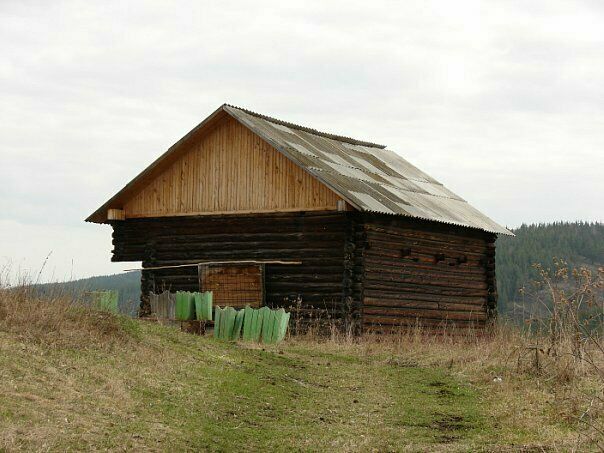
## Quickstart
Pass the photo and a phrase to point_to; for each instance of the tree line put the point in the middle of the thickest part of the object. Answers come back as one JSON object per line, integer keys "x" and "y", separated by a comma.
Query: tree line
{"x": 578, "y": 243}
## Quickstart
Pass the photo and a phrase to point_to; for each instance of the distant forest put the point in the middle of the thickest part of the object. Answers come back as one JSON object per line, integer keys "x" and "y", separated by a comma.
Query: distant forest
{"x": 127, "y": 284}
{"x": 578, "y": 243}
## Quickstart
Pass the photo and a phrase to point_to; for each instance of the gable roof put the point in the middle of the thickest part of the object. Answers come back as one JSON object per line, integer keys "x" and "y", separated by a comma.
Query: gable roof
{"x": 367, "y": 175}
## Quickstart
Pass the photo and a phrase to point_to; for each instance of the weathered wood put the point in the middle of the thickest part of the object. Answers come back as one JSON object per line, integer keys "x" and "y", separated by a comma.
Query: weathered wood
{"x": 314, "y": 240}
{"x": 427, "y": 272}
{"x": 239, "y": 262}
{"x": 418, "y": 303}
{"x": 233, "y": 285}
{"x": 163, "y": 305}
{"x": 425, "y": 313}
{"x": 401, "y": 320}
{"x": 203, "y": 179}
{"x": 404, "y": 295}
{"x": 116, "y": 214}
{"x": 363, "y": 269}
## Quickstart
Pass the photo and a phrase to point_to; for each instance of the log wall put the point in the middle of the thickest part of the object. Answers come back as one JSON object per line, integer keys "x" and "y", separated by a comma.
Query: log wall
{"x": 415, "y": 271}
{"x": 315, "y": 239}
{"x": 375, "y": 272}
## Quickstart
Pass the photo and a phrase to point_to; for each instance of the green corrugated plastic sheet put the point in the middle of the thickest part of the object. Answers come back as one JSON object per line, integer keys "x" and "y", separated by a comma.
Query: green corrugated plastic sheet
{"x": 256, "y": 325}
{"x": 275, "y": 329}
{"x": 217, "y": 320}
{"x": 106, "y": 300}
{"x": 229, "y": 324}
{"x": 247, "y": 323}
{"x": 267, "y": 325}
{"x": 221, "y": 325}
{"x": 185, "y": 306}
{"x": 264, "y": 324}
{"x": 203, "y": 305}
{"x": 263, "y": 314}
{"x": 238, "y": 325}
{"x": 282, "y": 325}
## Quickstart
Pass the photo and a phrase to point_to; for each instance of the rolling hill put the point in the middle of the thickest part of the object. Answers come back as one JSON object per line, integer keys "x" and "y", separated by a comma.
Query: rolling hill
{"x": 578, "y": 243}
{"x": 126, "y": 283}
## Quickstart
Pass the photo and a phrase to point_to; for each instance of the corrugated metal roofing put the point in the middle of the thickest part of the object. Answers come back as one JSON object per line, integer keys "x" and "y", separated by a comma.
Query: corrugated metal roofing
{"x": 368, "y": 176}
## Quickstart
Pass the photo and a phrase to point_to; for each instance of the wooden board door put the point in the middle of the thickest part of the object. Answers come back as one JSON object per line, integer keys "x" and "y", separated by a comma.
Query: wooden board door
{"x": 233, "y": 285}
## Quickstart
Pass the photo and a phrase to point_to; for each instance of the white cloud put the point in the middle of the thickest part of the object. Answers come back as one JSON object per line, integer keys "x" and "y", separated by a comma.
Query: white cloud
{"x": 500, "y": 100}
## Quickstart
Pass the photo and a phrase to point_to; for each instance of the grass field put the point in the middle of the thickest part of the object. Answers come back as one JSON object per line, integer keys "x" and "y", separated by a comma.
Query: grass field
{"x": 112, "y": 383}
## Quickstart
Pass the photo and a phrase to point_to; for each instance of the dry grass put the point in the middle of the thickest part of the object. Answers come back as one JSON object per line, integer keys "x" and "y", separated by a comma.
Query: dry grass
{"x": 544, "y": 399}
{"x": 75, "y": 378}
{"x": 173, "y": 390}
{"x": 59, "y": 320}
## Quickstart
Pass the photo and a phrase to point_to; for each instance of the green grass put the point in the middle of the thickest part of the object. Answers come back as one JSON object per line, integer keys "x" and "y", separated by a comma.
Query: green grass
{"x": 169, "y": 391}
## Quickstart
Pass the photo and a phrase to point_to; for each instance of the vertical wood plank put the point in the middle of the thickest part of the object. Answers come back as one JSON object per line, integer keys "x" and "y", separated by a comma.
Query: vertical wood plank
{"x": 229, "y": 170}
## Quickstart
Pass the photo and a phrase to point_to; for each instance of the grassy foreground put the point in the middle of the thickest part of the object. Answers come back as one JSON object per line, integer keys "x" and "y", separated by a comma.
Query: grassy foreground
{"x": 75, "y": 379}
{"x": 177, "y": 391}
{"x": 160, "y": 389}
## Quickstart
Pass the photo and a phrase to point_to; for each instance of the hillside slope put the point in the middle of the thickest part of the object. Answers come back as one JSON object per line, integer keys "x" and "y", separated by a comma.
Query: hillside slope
{"x": 154, "y": 388}
{"x": 578, "y": 243}
{"x": 126, "y": 283}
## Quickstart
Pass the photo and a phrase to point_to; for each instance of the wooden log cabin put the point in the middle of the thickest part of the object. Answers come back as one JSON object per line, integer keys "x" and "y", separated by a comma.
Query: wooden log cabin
{"x": 266, "y": 212}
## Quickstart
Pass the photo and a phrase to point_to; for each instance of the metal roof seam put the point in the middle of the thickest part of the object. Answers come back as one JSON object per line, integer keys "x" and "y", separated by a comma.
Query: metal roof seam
{"x": 361, "y": 187}
{"x": 388, "y": 185}
{"x": 368, "y": 176}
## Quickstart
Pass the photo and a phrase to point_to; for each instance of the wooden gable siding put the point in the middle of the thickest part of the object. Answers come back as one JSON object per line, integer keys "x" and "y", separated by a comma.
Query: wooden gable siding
{"x": 229, "y": 170}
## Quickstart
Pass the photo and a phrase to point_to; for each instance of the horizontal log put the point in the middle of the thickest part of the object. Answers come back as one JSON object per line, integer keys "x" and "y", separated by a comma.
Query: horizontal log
{"x": 426, "y": 289}
{"x": 425, "y": 226}
{"x": 332, "y": 287}
{"x": 312, "y": 304}
{"x": 405, "y": 278}
{"x": 270, "y": 236}
{"x": 435, "y": 272}
{"x": 419, "y": 234}
{"x": 421, "y": 304}
{"x": 304, "y": 278}
{"x": 412, "y": 321}
{"x": 388, "y": 264}
{"x": 259, "y": 225}
{"x": 426, "y": 240}
{"x": 243, "y": 246}
{"x": 396, "y": 255}
{"x": 414, "y": 312}
{"x": 309, "y": 264}
{"x": 281, "y": 254}
{"x": 403, "y": 295}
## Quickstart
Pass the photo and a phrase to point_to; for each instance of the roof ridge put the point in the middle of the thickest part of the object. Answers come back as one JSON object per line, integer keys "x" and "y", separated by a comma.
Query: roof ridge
{"x": 341, "y": 138}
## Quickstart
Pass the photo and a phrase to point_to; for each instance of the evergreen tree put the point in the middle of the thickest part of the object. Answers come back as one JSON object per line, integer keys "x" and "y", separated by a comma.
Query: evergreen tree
{"x": 578, "y": 243}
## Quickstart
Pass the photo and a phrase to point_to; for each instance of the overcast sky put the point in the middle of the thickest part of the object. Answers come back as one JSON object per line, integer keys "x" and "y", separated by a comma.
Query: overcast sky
{"x": 502, "y": 101}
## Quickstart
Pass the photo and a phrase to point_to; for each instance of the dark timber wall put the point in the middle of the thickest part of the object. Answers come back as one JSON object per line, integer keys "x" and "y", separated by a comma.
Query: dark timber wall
{"x": 436, "y": 273}
{"x": 317, "y": 240}
{"x": 374, "y": 271}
